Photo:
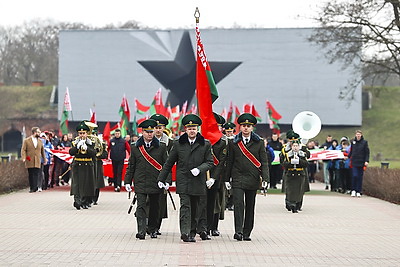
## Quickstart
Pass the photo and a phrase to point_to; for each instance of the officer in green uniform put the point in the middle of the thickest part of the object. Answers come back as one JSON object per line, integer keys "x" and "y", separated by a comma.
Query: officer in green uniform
{"x": 216, "y": 193}
{"x": 247, "y": 165}
{"x": 294, "y": 162}
{"x": 193, "y": 158}
{"x": 229, "y": 131}
{"x": 162, "y": 122}
{"x": 145, "y": 163}
{"x": 83, "y": 173}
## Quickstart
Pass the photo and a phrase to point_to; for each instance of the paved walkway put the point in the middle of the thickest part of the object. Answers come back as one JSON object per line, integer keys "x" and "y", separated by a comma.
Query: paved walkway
{"x": 332, "y": 230}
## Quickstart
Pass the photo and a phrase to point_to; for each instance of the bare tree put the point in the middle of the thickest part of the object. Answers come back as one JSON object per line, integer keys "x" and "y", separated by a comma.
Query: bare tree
{"x": 366, "y": 31}
{"x": 29, "y": 52}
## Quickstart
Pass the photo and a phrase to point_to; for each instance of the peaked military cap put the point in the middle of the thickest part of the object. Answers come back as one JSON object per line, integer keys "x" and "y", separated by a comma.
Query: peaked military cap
{"x": 247, "y": 118}
{"x": 82, "y": 127}
{"x": 220, "y": 120}
{"x": 148, "y": 125}
{"x": 160, "y": 119}
{"x": 292, "y": 136}
{"x": 230, "y": 126}
{"x": 191, "y": 120}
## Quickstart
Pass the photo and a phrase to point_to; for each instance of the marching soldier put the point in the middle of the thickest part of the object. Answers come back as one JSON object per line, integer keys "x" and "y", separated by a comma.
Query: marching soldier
{"x": 192, "y": 154}
{"x": 247, "y": 161}
{"x": 162, "y": 122}
{"x": 83, "y": 182}
{"x": 215, "y": 193}
{"x": 145, "y": 163}
{"x": 229, "y": 130}
{"x": 294, "y": 161}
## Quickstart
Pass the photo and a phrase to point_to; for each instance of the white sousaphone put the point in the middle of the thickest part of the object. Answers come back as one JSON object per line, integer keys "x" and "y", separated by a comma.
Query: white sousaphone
{"x": 307, "y": 124}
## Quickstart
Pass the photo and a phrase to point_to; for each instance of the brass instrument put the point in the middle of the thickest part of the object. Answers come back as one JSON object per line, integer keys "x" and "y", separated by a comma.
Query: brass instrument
{"x": 75, "y": 143}
{"x": 98, "y": 144}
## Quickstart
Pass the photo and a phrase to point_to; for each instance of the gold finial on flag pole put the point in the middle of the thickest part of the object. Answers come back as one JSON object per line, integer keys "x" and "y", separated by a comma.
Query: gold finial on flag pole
{"x": 197, "y": 14}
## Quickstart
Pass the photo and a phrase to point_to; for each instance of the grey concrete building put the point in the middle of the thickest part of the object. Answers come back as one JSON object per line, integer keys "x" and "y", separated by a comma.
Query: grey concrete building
{"x": 250, "y": 65}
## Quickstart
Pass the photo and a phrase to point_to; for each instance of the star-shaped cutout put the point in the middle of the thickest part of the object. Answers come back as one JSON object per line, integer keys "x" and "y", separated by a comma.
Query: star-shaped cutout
{"x": 179, "y": 75}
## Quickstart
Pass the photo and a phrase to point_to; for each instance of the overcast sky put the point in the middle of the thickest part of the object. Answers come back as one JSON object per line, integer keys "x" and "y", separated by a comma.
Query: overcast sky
{"x": 165, "y": 14}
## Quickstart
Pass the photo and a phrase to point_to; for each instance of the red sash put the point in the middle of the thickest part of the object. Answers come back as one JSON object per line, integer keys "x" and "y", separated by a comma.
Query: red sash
{"x": 216, "y": 161}
{"x": 248, "y": 155}
{"x": 150, "y": 159}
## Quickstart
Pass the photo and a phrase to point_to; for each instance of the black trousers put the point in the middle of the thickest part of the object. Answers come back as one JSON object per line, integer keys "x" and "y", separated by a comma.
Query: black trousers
{"x": 46, "y": 175}
{"x": 34, "y": 174}
{"x": 275, "y": 174}
{"x": 211, "y": 198}
{"x": 118, "y": 166}
{"x": 188, "y": 214}
{"x": 154, "y": 211}
{"x": 244, "y": 203}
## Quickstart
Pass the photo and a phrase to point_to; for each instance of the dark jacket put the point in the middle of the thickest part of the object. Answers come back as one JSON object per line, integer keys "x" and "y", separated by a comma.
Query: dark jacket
{"x": 359, "y": 152}
{"x": 219, "y": 149}
{"x": 188, "y": 157}
{"x": 143, "y": 174}
{"x": 118, "y": 148}
{"x": 243, "y": 172}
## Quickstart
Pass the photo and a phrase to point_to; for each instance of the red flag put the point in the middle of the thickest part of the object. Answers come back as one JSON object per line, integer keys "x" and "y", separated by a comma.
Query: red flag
{"x": 247, "y": 108}
{"x": 206, "y": 93}
{"x": 107, "y": 132}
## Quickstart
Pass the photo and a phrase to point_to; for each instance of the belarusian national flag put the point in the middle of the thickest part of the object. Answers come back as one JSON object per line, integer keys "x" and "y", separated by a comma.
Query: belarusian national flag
{"x": 125, "y": 115}
{"x": 107, "y": 132}
{"x": 93, "y": 116}
{"x": 230, "y": 112}
{"x": 157, "y": 105}
{"x": 255, "y": 113}
{"x": 66, "y": 109}
{"x": 206, "y": 93}
{"x": 140, "y": 108}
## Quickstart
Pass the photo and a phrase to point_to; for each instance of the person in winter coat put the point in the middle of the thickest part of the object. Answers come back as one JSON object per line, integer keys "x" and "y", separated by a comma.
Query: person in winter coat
{"x": 147, "y": 157}
{"x": 193, "y": 158}
{"x": 247, "y": 165}
{"x": 359, "y": 159}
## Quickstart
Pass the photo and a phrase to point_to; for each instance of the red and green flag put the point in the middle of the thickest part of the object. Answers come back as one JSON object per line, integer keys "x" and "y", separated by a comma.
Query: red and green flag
{"x": 206, "y": 92}
{"x": 255, "y": 113}
{"x": 140, "y": 108}
{"x": 64, "y": 116}
{"x": 230, "y": 112}
{"x": 274, "y": 117}
{"x": 157, "y": 105}
{"x": 125, "y": 115}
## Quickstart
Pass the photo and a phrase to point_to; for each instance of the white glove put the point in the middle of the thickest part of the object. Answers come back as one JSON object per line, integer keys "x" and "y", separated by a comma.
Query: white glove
{"x": 80, "y": 143}
{"x": 301, "y": 153}
{"x": 294, "y": 161}
{"x": 264, "y": 184}
{"x": 128, "y": 188}
{"x": 84, "y": 146}
{"x": 161, "y": 184}
{"x": 228, "y": 185}
{"x": 166, "y": 186}
{"x": 210, "y": 182}
{"x": 195, "y": 171}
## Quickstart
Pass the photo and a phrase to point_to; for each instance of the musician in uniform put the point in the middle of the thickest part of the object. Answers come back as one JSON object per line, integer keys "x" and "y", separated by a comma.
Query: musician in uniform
{"x": 83, "y": 173}
{"x": 101, "y": 153}
{"x": 145, "y": 163}
{"x": 247, "y": 165}
{"x": 193, "y": 158}
{"x": 159, "y": 133}
{"x": 294, "y": 161}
